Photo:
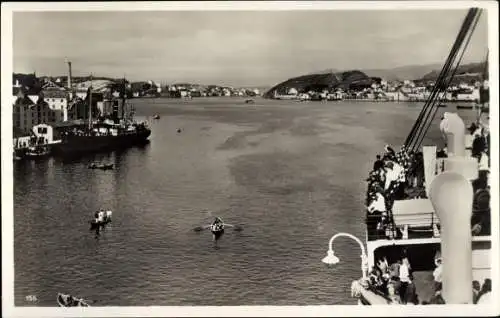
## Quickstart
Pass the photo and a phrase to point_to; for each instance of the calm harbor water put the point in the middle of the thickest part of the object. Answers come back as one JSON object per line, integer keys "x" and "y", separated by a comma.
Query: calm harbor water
{"x": 292, "y": 174}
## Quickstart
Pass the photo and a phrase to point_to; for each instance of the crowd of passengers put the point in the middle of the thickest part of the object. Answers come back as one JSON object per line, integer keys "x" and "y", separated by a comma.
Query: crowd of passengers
{"x": 395, "y": 175}
{"x": 396, "y": 282}
{"x": 392, "y": 173}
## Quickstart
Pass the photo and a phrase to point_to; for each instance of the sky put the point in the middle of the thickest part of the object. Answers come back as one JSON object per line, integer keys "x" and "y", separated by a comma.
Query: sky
{"x": 241, "y": 48}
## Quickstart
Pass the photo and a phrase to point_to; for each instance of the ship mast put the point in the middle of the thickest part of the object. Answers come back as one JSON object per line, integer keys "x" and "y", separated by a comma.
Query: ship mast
{"x": 123, "y": 98}
{"x": 90, "y": 103}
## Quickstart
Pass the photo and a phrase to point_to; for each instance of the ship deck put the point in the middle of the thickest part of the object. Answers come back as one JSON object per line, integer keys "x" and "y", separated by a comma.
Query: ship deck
{"x": 424, "y": 285}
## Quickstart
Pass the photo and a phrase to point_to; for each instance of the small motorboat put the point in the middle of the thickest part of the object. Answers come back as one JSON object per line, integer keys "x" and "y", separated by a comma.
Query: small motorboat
{"x": 66, "y": 300}
{"x": 100, "y": 222}
{"x": 101, "y": 166}
{"x": 442, "y": 105}
{"x": 156, "y": 116}
{"x": 465, "y": 106}
{"x": 249, "y": 101}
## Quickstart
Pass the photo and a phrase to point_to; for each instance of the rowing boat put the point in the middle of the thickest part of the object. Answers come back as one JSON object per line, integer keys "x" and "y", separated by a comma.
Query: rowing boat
{"x": 66, "y": 300}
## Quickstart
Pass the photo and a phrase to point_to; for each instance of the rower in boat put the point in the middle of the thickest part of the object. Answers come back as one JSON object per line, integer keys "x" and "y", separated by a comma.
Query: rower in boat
{"x": 101, "y": 216}
{"x": 217, "y": 228}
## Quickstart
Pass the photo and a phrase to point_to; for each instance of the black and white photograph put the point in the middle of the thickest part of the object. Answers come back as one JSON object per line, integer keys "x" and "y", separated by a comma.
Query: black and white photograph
{"x": 250, "y": 158}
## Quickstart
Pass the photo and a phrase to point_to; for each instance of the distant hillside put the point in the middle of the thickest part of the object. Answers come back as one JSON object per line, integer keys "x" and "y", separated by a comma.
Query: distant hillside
{"x": 319, "y": 82}
{"x": 412, "y": 72}
{"x": 409, "y": 72}
{"x": 468, "y": 72}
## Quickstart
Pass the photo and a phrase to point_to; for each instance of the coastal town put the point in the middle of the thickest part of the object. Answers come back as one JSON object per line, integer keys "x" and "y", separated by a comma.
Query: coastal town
{"x": 53, "y": 100}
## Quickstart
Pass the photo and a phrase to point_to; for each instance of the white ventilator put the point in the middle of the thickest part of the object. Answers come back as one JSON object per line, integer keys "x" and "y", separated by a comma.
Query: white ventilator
{"x": 451, "y": 194}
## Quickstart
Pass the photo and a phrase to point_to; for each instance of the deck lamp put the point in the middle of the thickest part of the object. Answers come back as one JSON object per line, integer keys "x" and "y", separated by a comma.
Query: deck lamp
{"x": 331, "y": 259}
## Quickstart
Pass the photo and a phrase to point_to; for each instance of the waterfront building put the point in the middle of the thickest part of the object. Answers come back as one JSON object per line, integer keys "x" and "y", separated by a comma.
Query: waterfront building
{"x": 29, "y": 109}
{"x": 57, "y": 98}
{"x": 78, "y": 107}
{"x": 292, "y": 91}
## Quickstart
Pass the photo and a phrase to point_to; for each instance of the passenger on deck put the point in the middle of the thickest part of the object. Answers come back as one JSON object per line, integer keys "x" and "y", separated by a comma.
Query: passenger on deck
{"x": 376, "y": 210}
{"x": 481, "y": 211}
{"x": 404, "y": 275}
{"x": 478, "y": 146}
{"x": 437, "y": 299}
{"x": 476, "y": 287}
{"x": 379, "y": 164}
{"x": 393, "y": 292}
{"x": 438, "y": 273}
{"x": 394, "y": 173}
{"x": 486, "y": 288}
{"x": 389, "y": 154}
{"x": 376, "y": 279}
{"x": 394, "y": 270}
{"x": 411, "y": 296}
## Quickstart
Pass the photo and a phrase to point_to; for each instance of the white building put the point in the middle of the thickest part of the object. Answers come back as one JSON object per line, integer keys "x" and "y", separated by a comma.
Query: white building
{"x": 57, "y": 100}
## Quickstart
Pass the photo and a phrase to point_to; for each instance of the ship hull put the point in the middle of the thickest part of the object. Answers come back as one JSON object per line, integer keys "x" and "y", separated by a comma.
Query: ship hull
{"x": 79, "y": 145}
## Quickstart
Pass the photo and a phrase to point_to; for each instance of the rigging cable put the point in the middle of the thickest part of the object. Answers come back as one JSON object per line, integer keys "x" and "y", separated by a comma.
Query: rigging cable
{"x": 439, "y": 82}
{"x": 436, "y": 87}
{"x": 426, "y": 127}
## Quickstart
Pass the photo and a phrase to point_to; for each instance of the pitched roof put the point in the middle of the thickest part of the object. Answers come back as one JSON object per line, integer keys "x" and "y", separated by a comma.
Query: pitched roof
{"x": 51, "y": 84}
{"x": 24, "y": 100}
{"x": 25, "y": 90}
{"x": 54, "y": 93}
